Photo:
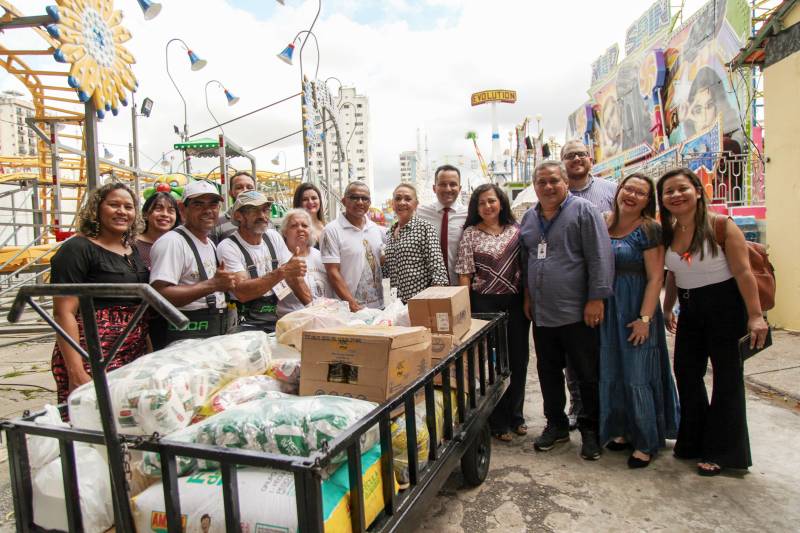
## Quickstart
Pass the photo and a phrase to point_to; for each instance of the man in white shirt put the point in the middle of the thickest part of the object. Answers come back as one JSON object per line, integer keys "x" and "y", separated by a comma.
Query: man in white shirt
{"x": 253, "y": 254}
{"x": 449, "y": 209}
{"x": 185, "y": 268}
{"x": 351, "y": 251}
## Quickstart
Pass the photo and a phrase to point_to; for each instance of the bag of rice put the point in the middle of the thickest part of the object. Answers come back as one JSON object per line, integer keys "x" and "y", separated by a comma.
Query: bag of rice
{"x": 161, "y": 392}
{"x": 266, "y": 500}
{"x": 239, "y": 391}
{"x": 288, "y": 425}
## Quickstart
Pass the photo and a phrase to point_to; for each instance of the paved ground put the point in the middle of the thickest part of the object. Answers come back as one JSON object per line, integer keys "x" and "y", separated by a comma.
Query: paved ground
{"x": 558, "y": 491}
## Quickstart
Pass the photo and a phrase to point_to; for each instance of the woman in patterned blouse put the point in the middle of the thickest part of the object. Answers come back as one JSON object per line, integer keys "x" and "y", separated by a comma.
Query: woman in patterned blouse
{"x": 412, "y": 257}
{"x": 489, "y": 264}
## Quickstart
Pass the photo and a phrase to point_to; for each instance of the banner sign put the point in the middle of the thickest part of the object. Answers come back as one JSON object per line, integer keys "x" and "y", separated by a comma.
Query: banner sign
{"x": 494, "y": 95}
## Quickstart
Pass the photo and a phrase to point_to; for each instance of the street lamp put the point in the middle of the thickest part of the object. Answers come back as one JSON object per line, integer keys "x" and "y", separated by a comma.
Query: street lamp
{"x": 147, "y": 108}
{"x": 196, "y": 64}
{"x": 287, "y": 54}
{"x": 277, "y": 160}
{"x": 232, "y": 100}
{"x": 150, "y": 9}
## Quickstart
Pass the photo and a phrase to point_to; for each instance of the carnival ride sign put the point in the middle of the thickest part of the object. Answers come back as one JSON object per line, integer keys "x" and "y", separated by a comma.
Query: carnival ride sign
{"x": 656, "y": 19}
{"x": 494, "y": 95}
{"x": 605, "y": 64}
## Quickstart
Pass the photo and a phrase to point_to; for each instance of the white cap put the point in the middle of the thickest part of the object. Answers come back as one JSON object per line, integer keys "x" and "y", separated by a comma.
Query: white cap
{"x": 199, "y": 188}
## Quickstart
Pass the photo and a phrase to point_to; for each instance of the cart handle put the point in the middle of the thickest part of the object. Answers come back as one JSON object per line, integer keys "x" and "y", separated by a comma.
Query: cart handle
{"x": 143, "y": 291}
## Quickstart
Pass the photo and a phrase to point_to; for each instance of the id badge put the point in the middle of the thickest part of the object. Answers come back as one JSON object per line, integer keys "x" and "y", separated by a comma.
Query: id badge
{"x": 282, "y": 290}
{"x": 541, "y": 250}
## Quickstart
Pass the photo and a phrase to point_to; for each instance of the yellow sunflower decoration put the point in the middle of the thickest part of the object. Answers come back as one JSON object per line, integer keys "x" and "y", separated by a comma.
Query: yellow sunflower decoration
{"x": 91, "y": 40}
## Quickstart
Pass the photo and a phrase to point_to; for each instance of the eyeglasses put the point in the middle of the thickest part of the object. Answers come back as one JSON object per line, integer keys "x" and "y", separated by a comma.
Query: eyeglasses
{"x": 573, "y": 155}
{"x": 356, "y": 198}
{"x": 627, "y": 189}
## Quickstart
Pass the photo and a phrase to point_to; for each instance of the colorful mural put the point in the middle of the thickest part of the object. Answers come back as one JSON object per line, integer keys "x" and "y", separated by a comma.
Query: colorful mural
{"x": 672, "y": 86}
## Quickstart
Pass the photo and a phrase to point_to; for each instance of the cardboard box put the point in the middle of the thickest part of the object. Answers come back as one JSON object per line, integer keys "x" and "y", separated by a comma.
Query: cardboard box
{"x": 442, "y": 345}
{"x": 442, "y": 310}
{"x": 367, "y": 362}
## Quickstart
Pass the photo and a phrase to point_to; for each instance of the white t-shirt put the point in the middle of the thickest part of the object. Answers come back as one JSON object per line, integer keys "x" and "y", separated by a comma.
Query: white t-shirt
{"x": 172, "y": 261}
{"x": 231, "y": 256}
{"x": 358, "y": 253}
{"x": 433, "y": 214}
{"x": 317, "y": 280}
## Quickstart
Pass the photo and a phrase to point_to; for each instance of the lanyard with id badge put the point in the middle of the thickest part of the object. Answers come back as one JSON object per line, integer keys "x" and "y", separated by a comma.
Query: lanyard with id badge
{"x": 544, "y": 227}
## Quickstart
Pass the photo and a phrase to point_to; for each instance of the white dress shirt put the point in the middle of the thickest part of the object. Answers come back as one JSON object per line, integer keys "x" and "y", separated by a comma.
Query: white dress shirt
{"x": 433, "y": 213}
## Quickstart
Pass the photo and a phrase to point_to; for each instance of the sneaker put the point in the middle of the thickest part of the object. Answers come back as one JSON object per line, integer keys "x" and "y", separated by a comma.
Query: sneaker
{"x": 550, "y": 437}
{"x": 590, "y": 448}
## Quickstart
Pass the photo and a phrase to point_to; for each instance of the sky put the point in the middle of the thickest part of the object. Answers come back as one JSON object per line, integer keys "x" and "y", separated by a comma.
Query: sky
{"x": 418, "y": 61}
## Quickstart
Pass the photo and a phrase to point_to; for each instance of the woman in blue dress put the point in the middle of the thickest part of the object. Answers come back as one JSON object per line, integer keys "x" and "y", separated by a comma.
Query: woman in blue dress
{"x": 638, "y": 402}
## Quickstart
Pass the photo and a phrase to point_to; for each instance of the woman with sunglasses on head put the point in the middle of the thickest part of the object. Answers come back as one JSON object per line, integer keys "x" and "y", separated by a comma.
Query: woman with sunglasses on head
{"x": 489, "y": 264}
{"x": 308, "y": 197}
{"x": 102, "y": 252}
{"x": 719, "y": 304}
{"x": 638, "y": 404}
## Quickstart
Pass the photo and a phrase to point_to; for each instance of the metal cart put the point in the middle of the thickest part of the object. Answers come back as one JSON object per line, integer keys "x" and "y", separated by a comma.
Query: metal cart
{"x": 481, "y": 370}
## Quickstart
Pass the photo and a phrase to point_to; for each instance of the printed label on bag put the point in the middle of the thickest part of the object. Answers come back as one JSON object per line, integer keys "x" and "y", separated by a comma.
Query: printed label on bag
{"x": 442, "y": 322}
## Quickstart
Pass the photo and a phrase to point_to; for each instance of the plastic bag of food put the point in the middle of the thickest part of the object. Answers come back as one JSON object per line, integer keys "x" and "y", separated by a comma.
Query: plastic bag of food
{"x": 400, "y": 438}
{"x": 162, "y": 391}
{"x": 281, "y": 351}
{"x": 324, "y": 313}
{"x": 395, "y": 314}
{"x": 239, "y": 391}
{"x": 94, "y": 487}
{"x": 288, "y": 425}
{"x": 266, "y": 496}
{"x": 287, "y": 371}
{"x": 42, "y": 450}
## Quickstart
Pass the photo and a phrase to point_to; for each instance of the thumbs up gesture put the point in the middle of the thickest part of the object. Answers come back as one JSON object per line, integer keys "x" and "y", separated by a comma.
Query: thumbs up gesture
{"x": 223, "y": 279}
{"x": 296, "y": 266}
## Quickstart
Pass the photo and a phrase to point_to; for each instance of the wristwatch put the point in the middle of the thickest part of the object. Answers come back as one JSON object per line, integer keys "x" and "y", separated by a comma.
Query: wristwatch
{"x": 645, "y": 319}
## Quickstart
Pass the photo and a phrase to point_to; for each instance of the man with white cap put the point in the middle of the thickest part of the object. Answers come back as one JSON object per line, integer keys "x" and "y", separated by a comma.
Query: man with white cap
{"x": 185, "y": 268}
{"x": 253, "y": 254}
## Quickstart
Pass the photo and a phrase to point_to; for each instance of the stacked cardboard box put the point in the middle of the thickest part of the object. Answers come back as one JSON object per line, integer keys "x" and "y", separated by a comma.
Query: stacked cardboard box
{"x": 368, "y": 362}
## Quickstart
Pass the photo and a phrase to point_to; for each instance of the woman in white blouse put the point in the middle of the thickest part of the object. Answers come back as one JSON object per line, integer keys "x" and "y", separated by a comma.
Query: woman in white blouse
{"x": 298, "y": 233}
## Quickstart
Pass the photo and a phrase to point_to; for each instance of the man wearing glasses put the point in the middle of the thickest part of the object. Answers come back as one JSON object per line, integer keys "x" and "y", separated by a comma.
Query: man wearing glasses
{"x": 185, "y": 268}
{"x": 600, "y": 192}
{"x": 351, "y": 251}
{"x": 578, "y": 161}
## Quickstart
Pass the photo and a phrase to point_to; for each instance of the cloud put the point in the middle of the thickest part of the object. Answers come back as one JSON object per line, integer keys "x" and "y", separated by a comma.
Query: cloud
{"x": 418, "y": 61}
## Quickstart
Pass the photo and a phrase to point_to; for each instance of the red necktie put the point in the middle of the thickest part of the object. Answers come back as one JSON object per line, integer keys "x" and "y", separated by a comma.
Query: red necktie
{"x": 443, "y": 236}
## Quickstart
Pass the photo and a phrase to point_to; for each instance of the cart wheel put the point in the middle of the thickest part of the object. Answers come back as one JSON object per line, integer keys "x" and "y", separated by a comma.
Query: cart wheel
{"x": 475, "y": 462}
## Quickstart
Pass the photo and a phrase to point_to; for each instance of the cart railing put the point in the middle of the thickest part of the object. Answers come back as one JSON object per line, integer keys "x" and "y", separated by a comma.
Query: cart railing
{"x": 480, "y": 382}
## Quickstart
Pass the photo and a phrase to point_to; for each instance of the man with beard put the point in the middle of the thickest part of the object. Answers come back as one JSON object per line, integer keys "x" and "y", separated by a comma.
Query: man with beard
{"x": 600, "y": 192}
{"x": 239, "y": 183}
{"x": 185, "y": 268}
{"x": 253, "y": 254}
{"x": 351, "y": 251}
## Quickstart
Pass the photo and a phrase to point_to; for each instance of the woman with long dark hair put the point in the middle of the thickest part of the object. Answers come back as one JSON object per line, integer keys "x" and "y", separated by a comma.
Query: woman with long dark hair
{"x": 638, "y": 404}
{"x": 160, "y": 214}
{"x": 489, "y": 264}
{"x": 103, "y": 251}
{"x": 308, "y": 197}
{"x": 719, "y": 304}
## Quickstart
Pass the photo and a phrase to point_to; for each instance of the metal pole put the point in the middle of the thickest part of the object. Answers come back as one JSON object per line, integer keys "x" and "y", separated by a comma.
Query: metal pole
{"x": 135, "y": 148}
{"x": 119, "y": 495}
{"x": 90, "y": 134}
{"x": 222, "y": 177}
{"x": 14, "y": 220}
{"x": 56, "y": 173}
